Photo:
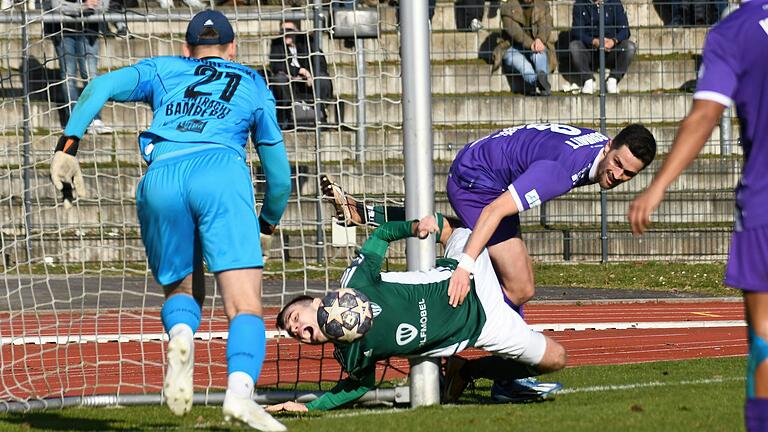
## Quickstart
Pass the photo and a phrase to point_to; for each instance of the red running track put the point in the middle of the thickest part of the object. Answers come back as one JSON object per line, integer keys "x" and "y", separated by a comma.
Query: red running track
{"x": 134, "y": 366}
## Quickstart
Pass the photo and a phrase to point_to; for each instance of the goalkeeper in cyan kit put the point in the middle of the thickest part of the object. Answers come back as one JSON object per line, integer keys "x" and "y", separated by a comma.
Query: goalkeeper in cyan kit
{"x": 412, "y": 317}
{"x": 196, "y": 199}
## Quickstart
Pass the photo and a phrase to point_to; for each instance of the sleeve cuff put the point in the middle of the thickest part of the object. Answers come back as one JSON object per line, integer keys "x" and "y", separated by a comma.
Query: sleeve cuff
{"x": 714, "y": 97}
{"x": 516, "y": 197}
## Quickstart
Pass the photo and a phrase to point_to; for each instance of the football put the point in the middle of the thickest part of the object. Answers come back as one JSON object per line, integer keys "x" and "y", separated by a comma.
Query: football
{"x": 345, "y": 315}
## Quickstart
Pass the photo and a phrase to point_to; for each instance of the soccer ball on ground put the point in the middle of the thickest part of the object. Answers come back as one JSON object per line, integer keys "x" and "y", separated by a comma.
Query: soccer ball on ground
{"x": 345, "y": 315}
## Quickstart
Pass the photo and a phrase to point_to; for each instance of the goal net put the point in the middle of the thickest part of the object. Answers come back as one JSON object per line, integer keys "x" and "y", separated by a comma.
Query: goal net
{"x": 79, "y": 309}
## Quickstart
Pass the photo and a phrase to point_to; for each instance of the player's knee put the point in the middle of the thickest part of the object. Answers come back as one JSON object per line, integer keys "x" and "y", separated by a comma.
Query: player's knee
{"x": 555, "y": 357}
{"x": 233, "y": 312}
{"x": 519, "y": 291}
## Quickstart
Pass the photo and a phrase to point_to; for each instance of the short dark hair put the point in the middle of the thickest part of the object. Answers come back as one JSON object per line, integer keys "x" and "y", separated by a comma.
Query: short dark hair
{"x": 295, "y": 300}
{"x": 640, "y": 141}
{"x": 296, "y": 23}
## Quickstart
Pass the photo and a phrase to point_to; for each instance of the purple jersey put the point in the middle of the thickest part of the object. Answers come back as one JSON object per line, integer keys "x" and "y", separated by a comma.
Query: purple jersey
{"x": 535, "y": 162}
{"x": 735, "y": 69}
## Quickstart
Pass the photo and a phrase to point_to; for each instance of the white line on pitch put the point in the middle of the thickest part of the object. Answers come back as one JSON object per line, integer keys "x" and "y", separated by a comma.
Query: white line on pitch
{"x": 647, "y": 385}
{"x": 273, "y": 334}
{"x": 638, "y": 325}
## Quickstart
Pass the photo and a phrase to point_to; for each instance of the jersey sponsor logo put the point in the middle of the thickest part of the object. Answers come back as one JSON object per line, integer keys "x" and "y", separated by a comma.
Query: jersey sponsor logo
{"x": 198, "y": 107}
{"x": 367, "y": 353}
{"x": 405, "y": 334}
{"x": 193, "y": 125}
{"x": 375, "y": 309}
{"x": 581, "y": 174}
{"x": 422, "y": 322}
{"x": 586, "y": 140}
{"x": 532, "y": 198}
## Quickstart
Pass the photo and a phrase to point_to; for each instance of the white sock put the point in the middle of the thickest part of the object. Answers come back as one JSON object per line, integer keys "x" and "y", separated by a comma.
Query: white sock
{"x": 183, "y": 331}
{"x": 240, "y": 384}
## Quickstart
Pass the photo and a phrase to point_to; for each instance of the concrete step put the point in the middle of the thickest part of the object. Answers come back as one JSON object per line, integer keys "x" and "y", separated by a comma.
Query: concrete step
{"x": 702, "y": 195}
{"x": 116, "y": 52}
{"x": 447, "y": 110}
{"x": 463, "y": 77}
{"x": 680, "y": 207}
{"x": 115, "y": 249}
{"x": 337, "y": 145}
{"x": 113, "y": 182}
{"x": 639, "y": 13}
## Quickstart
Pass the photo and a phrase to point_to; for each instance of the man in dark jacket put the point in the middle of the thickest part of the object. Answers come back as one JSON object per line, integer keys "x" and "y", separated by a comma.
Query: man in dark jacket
{"x": 293, "y": 77}
{"x": 585, "y": 43}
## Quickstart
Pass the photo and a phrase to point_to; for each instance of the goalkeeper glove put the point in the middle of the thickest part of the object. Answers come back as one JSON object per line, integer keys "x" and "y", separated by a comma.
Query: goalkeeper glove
{"x": 65, "y": 170}
{"x": 266, "y": 230}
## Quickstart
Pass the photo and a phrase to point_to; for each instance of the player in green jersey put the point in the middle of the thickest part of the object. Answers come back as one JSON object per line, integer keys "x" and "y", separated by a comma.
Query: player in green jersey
{"x": 412, "y": 317}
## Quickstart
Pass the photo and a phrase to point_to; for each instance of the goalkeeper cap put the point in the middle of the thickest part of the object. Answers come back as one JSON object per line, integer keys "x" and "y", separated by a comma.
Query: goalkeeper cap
{"x": 209, "y": 20}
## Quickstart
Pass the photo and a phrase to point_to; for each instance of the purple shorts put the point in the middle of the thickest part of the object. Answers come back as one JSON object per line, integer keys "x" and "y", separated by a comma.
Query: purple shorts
{"x": 747, "y": 267}
{"x": 469, "y": 203}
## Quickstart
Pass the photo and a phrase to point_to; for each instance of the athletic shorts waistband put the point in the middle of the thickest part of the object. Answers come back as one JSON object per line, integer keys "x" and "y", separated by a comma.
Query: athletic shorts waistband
{"x": 192, "y": 152}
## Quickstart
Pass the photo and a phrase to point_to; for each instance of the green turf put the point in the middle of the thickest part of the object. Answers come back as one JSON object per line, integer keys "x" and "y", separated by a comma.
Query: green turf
{"x": 699, "y": 278}
{"x": 700, "y": 395}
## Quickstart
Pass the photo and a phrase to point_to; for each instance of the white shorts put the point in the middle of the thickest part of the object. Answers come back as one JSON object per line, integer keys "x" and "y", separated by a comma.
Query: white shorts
{"x": 505, "y": 333}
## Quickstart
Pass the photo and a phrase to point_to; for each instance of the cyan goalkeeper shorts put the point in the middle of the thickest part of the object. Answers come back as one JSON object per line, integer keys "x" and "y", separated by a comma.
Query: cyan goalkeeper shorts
{"x": 194, "y": 205}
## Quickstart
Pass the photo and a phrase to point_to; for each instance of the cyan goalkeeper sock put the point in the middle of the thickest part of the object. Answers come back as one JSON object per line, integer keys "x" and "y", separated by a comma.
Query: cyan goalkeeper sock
{"x": 180, "y": 309}
{"x": 246, "y": 346}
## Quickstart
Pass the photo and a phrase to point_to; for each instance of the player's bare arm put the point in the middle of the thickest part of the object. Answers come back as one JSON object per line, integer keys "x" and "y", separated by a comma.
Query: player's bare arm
{"x": 694, "y": 132}
{"x": 486, "y": 225}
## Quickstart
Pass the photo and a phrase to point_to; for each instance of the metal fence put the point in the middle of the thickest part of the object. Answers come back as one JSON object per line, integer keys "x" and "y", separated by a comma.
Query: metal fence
{"x": 91, "y": 258}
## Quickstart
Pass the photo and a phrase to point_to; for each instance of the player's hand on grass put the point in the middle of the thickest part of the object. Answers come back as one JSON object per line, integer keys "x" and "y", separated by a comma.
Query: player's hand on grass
{"x": 639, "y": 214}
{"x": 287, "y": 406}
{"x": 458, "y": 288}
{"x": 426, "y": 226}
{"x": 65, "y": 170}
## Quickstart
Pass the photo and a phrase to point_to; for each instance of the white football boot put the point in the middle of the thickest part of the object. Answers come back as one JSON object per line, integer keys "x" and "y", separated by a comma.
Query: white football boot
{"x": 247, "y": 411}
{"x": 178, "y": 384}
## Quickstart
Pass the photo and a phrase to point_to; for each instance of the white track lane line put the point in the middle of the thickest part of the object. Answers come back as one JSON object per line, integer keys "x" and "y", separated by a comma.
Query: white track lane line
{"x": 273, "y": 334}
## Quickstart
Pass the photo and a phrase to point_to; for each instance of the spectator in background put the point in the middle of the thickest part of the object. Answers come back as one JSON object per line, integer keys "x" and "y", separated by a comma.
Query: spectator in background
{"x": 469, "y": 15}
{"x": 679, "y": 13}
{"x": 585, "y": 43}
{"x": 77, "y": 48}
{"x": 527, "y": 25}
{"x": 292, "y": 74}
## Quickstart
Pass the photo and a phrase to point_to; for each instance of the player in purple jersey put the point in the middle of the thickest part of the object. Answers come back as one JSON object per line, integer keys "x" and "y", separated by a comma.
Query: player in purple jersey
{"x": 512, "y": 170}
{"x": 732, "y": 75}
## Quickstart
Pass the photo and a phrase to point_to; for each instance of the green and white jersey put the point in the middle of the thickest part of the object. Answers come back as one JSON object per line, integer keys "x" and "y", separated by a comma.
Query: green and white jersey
{"x": 412, "y": 316}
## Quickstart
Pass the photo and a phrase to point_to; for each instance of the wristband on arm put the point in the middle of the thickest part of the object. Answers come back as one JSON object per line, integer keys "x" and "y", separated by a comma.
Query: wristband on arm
{"x": 68, "y": 145}
{"x": 265, "y": 227}
{"x": 440, "y": 224}
{"x": 467, "y": 263}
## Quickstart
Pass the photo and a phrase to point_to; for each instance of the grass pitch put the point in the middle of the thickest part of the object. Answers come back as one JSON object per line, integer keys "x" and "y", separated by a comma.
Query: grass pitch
{"x": 700, "y": 395}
